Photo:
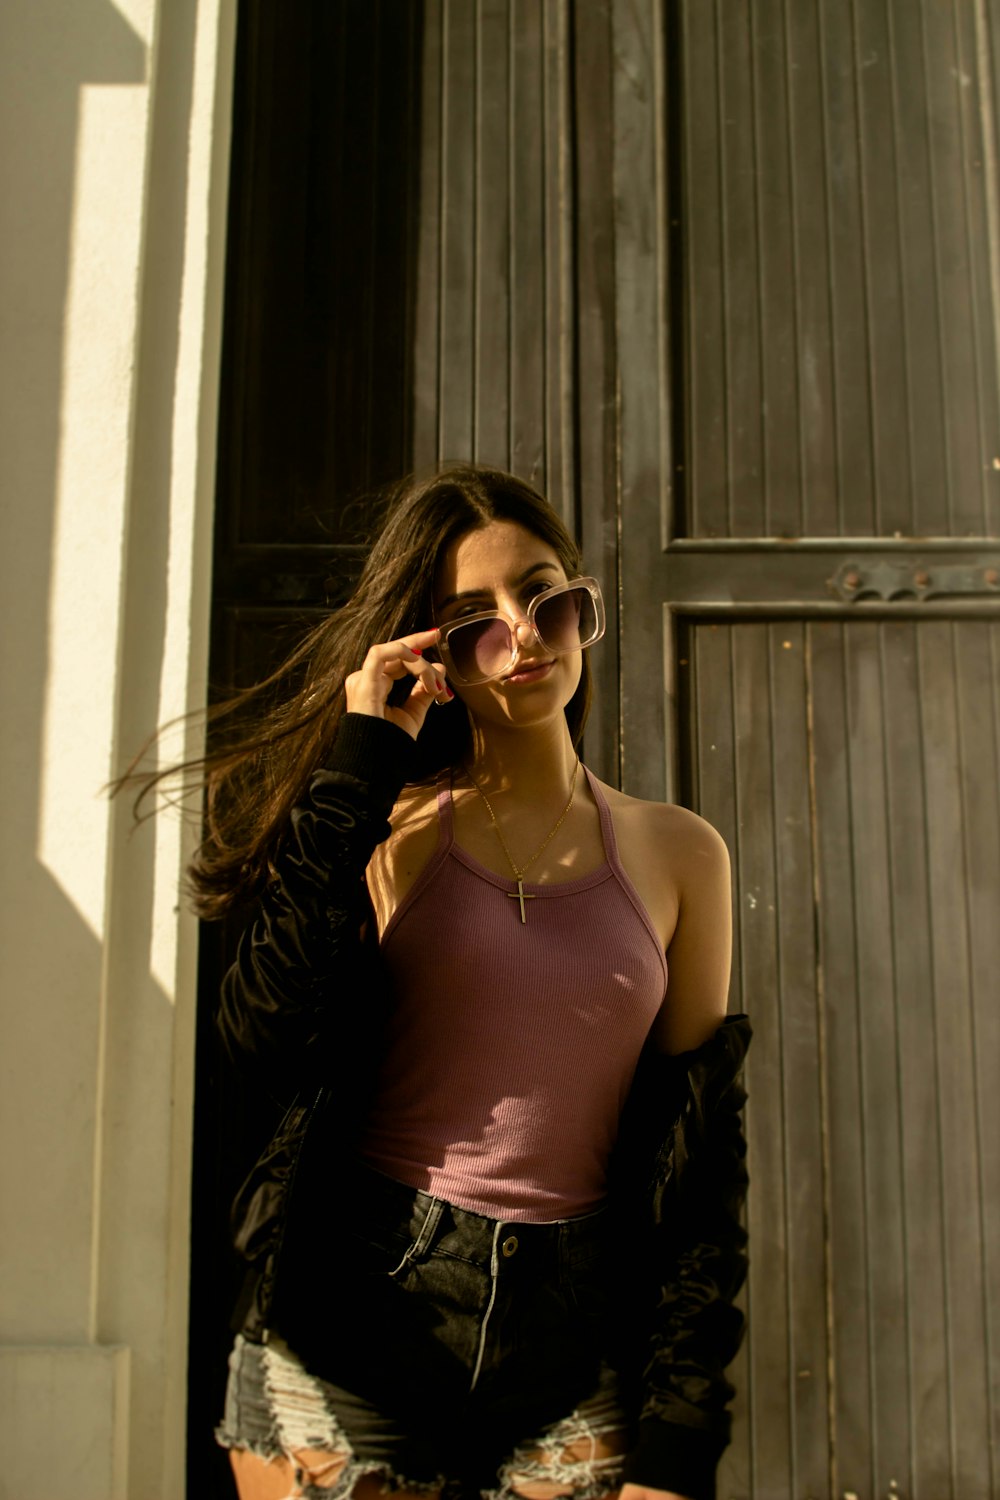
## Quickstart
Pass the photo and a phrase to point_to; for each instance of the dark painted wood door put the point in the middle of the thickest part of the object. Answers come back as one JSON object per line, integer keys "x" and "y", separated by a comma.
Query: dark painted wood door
{"x": 801, "y": 318}
{"x": 722, "y": 279}
{"x": 316, "y": 413}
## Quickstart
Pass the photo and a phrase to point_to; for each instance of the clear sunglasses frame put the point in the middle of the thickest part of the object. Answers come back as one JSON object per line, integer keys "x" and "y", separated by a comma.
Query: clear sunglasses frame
{"x": 592, "y": 587}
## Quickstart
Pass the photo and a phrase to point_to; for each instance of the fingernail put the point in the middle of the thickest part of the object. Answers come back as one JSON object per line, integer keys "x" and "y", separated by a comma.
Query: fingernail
{"x": 416, "y": 651}
{"x": 449, "y": 691}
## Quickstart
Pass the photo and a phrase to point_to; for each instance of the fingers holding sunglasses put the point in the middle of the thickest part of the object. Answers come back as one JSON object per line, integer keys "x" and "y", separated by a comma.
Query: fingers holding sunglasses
{"x": 429, "y": 688}
{"x": 367, "y": 690}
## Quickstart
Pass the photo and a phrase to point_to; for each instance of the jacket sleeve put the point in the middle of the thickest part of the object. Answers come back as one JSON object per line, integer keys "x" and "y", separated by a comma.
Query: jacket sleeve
{"x": 698, "y": 1264}
{"x": 278, "y": 1004}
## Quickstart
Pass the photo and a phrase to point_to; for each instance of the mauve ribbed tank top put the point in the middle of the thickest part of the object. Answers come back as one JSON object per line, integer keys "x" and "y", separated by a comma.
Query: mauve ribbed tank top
{"x": 512, "y": 1047}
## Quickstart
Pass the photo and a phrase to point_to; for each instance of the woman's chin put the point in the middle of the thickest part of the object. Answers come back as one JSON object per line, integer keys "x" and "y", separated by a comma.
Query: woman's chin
{"x": 525, "y": 701}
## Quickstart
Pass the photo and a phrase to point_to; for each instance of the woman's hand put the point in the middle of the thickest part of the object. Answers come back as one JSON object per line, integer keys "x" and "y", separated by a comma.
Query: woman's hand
{"x": 368, "y": 690}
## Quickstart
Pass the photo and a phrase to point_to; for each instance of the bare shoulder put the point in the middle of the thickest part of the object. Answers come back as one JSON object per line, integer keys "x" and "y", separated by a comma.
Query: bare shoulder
{"x": 397, "y": 863}
{"x": 417, "y": 803}
{"x": 679, "y": 865}
{"x": 672, "y": 838}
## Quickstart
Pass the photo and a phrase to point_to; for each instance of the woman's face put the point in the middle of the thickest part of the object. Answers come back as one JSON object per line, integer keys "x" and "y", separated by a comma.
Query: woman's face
{"x": 502, "y": 566}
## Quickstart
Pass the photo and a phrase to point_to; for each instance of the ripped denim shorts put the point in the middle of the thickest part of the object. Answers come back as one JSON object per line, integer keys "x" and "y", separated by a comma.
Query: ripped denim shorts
{"x": 456, "y": 1353}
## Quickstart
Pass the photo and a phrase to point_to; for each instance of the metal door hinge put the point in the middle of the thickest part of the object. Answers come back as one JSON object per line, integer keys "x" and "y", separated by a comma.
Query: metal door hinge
{"x": 917, "y": 579}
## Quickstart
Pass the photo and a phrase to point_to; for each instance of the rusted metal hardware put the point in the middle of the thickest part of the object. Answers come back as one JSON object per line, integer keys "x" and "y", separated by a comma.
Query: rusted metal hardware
{"x": 917, "y": 579}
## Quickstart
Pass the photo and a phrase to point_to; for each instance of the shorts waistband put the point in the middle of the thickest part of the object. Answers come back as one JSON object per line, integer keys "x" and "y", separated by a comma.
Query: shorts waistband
{"x": 384, "y": 1200}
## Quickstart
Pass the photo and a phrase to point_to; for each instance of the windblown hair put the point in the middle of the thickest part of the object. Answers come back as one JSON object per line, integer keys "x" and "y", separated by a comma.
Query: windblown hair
{"x": 265, "y": 742}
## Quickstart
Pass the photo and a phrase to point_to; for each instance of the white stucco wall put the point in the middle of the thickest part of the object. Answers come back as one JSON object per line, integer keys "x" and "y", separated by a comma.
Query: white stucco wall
{"x": 114, "y": 138}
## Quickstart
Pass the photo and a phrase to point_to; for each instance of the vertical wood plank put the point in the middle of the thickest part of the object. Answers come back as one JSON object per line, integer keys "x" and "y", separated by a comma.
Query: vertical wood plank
{"x": 802, "y": 1092}
{"x": 977, "y": 104}
{"x": 457, "y": 299}
{"x": 978, "y": 693}
{"x": 815, "y": 511}
{"x": 979, "y": 110}
{"x": 557, "y": 265}
{"x": 367, "y": 198}
{"x": 742, "y": 331}
{"x": 769, "y": 1393}
{"x": 323, "y": 393}
{"x": 528, "y": 249}
{"x": 772, "y": 182}
{"x": 639, "y": 105}
{"x": 708, "y": 785}
{"x": 427, "y": 312}
{"x": 595, "y": 398}
{"x": 848, "y": 289}
{"x": 962, "y": 1225}
{"x": 913, "y": 128}
{"x": 706, "y": 294}
{"x": 846, "y": 1207}
{"x": 889, "y": 388}
{"x": 946, "y": 80}
{"x": 493, "y": 207}
{"x": 923, "y": 1328}
{"x": 878, "y": 1069}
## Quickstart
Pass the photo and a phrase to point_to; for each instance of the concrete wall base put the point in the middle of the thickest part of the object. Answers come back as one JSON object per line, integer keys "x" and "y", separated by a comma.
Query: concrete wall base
{"x": 64, "y": 1421}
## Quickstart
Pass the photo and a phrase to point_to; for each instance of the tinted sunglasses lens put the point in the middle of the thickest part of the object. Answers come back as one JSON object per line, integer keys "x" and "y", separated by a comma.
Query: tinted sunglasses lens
{"x": 481, "y": 649}
{"x": 567, "y": 621}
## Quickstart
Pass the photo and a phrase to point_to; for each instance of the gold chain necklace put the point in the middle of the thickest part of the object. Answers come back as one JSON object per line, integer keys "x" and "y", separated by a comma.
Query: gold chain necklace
{"x": 519, "y": 873}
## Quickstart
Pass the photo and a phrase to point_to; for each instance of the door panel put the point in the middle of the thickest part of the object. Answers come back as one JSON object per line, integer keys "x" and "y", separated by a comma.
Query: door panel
{"x": 852, "y": 768}
{"x": 316, "y": 398}
{"x": 841, "y": 371}
{"x": 493, "y": 334}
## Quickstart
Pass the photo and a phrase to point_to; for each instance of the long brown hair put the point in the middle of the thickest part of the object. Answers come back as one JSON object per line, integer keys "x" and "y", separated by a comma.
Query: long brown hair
{"x": 266, "y": 742}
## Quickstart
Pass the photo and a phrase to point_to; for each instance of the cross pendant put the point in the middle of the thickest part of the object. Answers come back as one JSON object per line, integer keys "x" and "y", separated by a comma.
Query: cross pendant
{"x": 519, "y": 895}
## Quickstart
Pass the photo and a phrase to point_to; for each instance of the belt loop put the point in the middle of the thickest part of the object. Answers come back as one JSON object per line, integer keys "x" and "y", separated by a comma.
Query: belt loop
{"x": 421, "y": 1244}
{"x": 423, "y": 1240}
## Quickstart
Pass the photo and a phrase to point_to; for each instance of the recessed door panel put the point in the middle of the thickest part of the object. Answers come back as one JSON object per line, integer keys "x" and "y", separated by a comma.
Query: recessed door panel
{"x": 852, "y": 767}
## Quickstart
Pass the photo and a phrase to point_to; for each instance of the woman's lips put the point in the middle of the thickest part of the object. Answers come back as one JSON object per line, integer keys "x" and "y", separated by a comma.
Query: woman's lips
{"x": 530, "y": 671}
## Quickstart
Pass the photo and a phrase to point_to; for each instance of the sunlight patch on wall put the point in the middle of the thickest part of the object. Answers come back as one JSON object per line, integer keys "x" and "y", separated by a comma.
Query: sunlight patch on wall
{"x": 192, "y": 470}
{"x": 91, "y": 478}
{"x": 139, "y": 15}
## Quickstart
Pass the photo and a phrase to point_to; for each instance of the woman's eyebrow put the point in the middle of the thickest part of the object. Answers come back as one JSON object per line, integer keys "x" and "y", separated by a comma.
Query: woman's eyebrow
{"x": 481, "y": 593}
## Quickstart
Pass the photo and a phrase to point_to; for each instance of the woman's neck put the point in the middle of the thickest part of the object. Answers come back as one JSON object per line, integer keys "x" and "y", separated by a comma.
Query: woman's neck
{"x": 535, "y": 765}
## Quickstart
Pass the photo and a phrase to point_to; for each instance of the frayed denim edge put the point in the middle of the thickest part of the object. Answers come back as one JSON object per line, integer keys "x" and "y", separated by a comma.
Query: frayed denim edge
{"x": 343, "y": 1486}
{"x": 541, "y": 1460}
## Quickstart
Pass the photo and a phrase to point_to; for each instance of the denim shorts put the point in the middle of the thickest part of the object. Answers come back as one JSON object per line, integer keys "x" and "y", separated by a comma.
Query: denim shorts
{"x": 452, "y": 1352}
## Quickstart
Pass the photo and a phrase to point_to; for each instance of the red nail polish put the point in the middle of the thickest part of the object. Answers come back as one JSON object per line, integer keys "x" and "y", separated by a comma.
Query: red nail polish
{"x": 449, "y": 691}
{"x": 416, "y": 651}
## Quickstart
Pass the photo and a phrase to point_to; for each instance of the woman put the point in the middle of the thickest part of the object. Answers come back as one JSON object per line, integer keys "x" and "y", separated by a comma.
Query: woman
{"x": 494, "y": 1245}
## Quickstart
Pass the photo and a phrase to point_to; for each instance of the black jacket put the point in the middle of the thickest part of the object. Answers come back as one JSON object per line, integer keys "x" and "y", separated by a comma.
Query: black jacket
{"x": 305, "y": 1002}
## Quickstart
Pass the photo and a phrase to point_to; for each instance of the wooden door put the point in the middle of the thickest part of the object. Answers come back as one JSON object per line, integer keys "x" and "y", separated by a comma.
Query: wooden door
{"x": 316, "y": 413}
{"x": 802, "y": 309}
{"x": 722, "y": 278}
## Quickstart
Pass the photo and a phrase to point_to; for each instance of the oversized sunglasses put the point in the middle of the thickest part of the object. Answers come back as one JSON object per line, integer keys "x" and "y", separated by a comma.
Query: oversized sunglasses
{"x": 482, "y": 647}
